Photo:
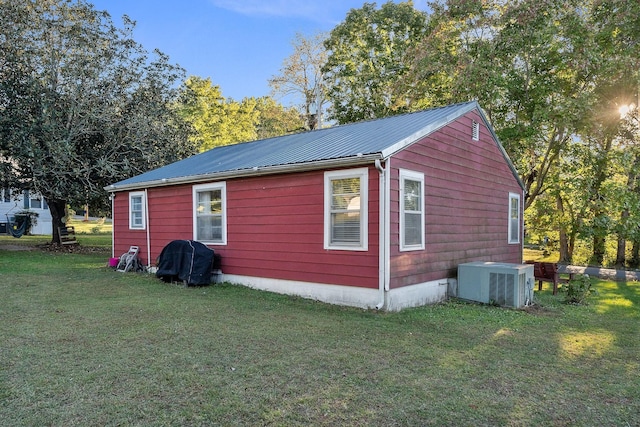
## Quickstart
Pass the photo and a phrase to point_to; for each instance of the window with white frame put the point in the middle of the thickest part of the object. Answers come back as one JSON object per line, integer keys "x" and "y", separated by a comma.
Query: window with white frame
{"x": 411, "y": 210}
{"x": 514, "y": 218}
{"x": 38, "y": 202}
{"x": 346, "y": 213}
{"x": 209, "y": 222}
{"x": 137, "y": 210}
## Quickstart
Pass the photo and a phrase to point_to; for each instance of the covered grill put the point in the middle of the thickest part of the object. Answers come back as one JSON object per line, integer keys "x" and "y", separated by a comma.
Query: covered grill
{"x": 187, "y": 261}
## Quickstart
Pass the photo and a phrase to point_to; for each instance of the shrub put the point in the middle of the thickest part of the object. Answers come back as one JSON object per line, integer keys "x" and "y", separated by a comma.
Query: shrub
{"x": 578, "y": 289}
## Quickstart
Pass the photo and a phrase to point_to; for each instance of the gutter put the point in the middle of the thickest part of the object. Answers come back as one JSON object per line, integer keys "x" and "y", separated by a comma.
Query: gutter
{"x": 358, "y": 159}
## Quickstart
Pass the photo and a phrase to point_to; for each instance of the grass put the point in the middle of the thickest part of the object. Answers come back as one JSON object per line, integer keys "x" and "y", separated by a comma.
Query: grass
{"x": 82, "y": 345}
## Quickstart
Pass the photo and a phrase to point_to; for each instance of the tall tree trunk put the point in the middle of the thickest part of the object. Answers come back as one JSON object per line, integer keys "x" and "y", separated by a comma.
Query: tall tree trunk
{"x": 621, "y": 252}
{"x": 565, "y": 255}
{"x": 634, "y": 262}
{"x": 598, "y": 251}
{"x": 58, "y": 212}
{"x": 632, "y": 186}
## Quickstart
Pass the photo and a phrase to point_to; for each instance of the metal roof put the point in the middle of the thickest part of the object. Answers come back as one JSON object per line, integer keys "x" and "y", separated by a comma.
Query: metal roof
{"x": 345, "y": 144}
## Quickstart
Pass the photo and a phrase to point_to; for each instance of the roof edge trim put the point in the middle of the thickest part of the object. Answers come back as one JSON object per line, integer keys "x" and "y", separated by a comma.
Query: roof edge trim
{"x": 464, "y": 109}
{"x": 244, "y": 173}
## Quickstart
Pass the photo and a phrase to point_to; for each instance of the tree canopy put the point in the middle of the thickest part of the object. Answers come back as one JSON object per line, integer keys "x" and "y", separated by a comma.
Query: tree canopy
{"x": 551, "y": 76}
{"x": 218, "y": 121}
{"x": 82, "y": 105}
{"x": 368, "y": 54}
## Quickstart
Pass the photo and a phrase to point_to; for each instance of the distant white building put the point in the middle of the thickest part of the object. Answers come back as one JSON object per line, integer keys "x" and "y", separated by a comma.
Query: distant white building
{"x": 15, "y": 201}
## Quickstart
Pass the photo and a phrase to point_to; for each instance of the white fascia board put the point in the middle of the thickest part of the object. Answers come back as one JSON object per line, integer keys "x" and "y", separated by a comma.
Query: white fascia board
{"x": 400, "y": 145}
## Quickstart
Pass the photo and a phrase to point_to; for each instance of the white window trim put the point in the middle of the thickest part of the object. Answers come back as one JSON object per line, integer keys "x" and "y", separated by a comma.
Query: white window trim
{"x": 509, "y": 230}
{"x": 140, "y": 194}
{"x": 413, "y": 176}
{"x": 363, "y": 174}
{"x": 222, "y": 186}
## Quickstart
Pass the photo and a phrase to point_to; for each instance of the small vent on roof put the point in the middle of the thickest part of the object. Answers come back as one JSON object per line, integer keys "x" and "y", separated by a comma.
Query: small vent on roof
{"x": 475, "y": 131}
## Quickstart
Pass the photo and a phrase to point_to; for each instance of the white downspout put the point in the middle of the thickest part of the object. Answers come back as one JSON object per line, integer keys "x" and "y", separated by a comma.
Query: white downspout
{"x": 112, "y": 198}
{"x": 146, "y": 213}
{"x": 382, "y": 221}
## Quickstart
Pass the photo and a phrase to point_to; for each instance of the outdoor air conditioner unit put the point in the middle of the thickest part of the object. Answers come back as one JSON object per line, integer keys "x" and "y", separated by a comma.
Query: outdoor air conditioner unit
{"x": 497, "y": 283}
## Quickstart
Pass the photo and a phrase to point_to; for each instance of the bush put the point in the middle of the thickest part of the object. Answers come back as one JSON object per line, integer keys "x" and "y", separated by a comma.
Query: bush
{"x": 578, "y": 289}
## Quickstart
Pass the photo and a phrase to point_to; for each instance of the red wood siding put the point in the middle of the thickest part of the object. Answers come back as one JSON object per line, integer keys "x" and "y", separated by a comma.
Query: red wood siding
{"x": 467, "y": 186}
{"x": 275, "y": 229}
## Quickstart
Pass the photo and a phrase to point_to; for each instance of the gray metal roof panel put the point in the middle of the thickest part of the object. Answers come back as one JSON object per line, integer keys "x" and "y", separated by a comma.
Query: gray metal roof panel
{"x": 380, "y": 136}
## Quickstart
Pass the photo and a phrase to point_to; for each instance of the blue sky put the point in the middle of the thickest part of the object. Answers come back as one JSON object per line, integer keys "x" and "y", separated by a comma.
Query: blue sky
{"x": 239, "y": 44}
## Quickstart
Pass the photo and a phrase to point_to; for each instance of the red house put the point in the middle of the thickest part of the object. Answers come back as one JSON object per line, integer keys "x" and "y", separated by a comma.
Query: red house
{"x": 372, "y": 214}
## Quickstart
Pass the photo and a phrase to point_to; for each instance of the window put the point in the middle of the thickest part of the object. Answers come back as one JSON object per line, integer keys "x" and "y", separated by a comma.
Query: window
{"x": 514, "y": 218}
{"x": 346, "y": 210}
{"x": 137, "y": 211}
{"x": 38, "y": 202}
{"x": 6, "y": 197}
{"x": 25, "y": 199}
{"x": 210, "y": 223}
{"x": 411, "y": 210}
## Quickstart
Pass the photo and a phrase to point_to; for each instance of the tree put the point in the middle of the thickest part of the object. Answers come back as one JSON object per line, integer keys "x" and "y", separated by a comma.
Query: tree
{"x": 275, "y": 120}
{"x": 528, "y": 63}
{"x": 301, "y": 78}
{"x": 82, "y": 105}
{"x": 619, "y": 41}
{"x": 216, "y": 121}
{"x": 368, "y": 55}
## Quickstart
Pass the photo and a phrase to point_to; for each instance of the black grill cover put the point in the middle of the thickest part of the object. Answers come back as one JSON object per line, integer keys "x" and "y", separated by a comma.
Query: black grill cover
{"x": 185, "y": 260}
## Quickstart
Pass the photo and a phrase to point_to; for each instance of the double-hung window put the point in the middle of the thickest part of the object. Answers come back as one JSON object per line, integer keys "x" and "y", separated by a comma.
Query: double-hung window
{"x": 411, "y": 210}
{"x": 137, "y": 211}
{"x": 210, "y": 222}
{"x": 514, "y": 218}
{"x": 345, "y": 213}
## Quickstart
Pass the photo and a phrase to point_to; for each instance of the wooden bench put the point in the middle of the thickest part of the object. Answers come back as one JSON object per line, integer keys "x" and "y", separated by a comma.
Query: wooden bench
{"x": 67, "y": 235}
{"x": 548, "y": 272}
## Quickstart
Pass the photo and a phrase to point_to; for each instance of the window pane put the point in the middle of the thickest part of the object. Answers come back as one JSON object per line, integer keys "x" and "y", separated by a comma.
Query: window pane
{"x": 345, "y": 194}
{"x": 136, "y": 203}
{"x": 345, "y": 228}
{"x": 514, "y": 208}
{"x": 136, "y": 219}
{"x": 412, "y": 195}
{"x": 209, "y": 228}
{"x": 412, "y": 229}
{"x": 209, "y": 202}
{"x": 515, "y": 232}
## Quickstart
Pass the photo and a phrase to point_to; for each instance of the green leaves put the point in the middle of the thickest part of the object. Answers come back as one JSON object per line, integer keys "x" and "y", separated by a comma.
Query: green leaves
{"x": 368, "y": 53}
{"x": 82, "y": 104}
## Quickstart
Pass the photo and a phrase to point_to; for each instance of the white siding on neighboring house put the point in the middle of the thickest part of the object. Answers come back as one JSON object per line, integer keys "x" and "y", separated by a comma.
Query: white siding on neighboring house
{"x": 12, "y": 203}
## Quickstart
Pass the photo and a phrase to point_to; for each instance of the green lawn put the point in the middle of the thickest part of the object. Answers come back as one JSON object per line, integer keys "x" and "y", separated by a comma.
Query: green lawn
{"x": 83, "y": 345}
